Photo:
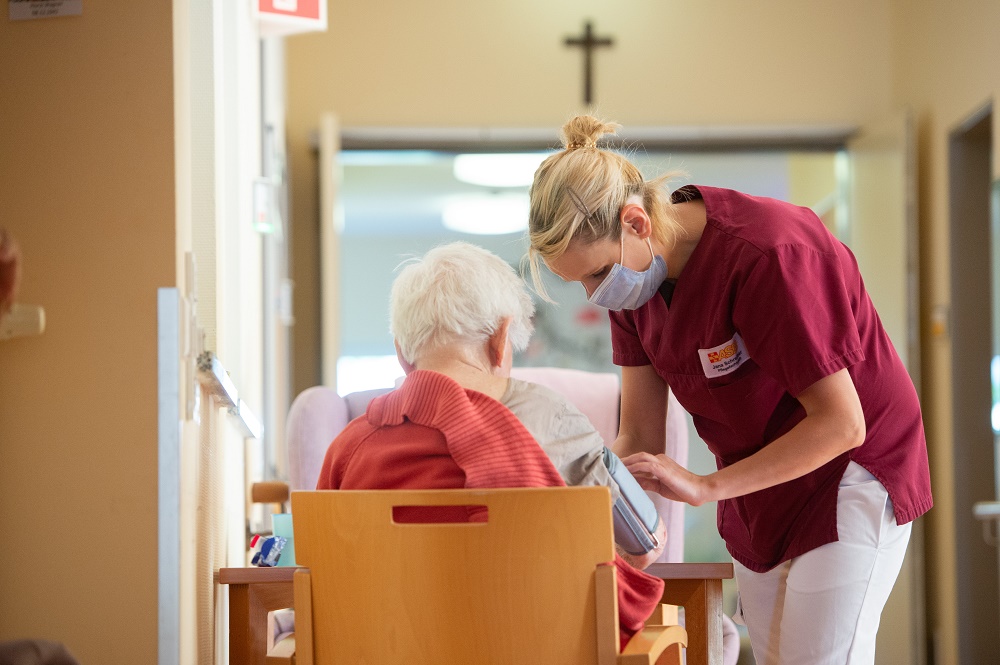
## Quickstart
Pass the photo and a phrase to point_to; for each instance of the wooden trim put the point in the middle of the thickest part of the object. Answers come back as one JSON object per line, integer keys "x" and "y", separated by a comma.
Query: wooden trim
{"x": 673, "y": 138}
{"x": 664, "y": 615}
{"x": 691, "y": 571}
{"x": 256, "y": 575}
{"x": 646, "y": 647}
{"x": 606, "y": 610}
{"x": 303, "y": 617}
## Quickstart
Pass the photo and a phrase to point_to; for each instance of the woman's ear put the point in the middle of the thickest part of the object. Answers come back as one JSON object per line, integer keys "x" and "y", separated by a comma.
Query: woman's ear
{"x": 407, "y": 366}
{"x": 633, "y": 216}
{"x": 497, "y": 344}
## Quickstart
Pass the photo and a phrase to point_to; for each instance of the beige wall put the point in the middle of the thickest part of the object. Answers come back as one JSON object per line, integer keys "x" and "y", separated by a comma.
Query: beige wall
{"x": 86, "y": 166}
{"x": 947, "y": 63}
{"x": 453, "y": 63}
{"x": 456, "y": 63}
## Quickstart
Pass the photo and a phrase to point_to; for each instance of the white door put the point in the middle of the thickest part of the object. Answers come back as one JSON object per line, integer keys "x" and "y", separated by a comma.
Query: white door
{"x": 972, "y": 330}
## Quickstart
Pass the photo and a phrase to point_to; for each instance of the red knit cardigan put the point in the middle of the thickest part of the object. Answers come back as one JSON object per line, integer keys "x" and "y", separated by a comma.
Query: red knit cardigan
{"x": 431, "y": 433}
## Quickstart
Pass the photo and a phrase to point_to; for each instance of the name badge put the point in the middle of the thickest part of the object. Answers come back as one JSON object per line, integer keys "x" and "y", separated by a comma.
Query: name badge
{"x": 725, "y": 358}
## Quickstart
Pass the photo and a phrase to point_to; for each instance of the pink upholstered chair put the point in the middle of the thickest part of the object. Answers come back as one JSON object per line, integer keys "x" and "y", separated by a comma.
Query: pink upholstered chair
{"x": 319, "y": 413}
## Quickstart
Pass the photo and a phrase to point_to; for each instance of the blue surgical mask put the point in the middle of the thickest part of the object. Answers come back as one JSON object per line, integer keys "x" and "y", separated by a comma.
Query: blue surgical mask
{"x": 625, "y": 288}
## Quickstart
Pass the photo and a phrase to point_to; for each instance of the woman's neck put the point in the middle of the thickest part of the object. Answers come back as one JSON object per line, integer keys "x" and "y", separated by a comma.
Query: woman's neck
{"x": 691, "y": 217}
{"x": 468, "y": 373}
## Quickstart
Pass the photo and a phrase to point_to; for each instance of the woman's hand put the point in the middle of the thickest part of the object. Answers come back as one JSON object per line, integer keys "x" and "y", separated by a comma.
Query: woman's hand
{"x": 661, "y": 474}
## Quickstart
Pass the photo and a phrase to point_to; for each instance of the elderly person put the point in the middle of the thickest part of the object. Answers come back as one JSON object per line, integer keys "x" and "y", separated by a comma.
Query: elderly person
{"x": 457, "y": 315}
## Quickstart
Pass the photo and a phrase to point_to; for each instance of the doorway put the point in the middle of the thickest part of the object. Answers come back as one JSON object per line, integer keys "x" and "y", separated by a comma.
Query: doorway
{"x": 396, "y": 203}
{"x": 972, "y": 343}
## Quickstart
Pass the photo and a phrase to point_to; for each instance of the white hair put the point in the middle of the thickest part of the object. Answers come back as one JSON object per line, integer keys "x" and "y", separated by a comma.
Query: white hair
{"x": 457, "y": 293}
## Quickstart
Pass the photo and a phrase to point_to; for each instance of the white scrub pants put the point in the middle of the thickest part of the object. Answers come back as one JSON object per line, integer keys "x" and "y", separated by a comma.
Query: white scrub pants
{"x": 823, "y": 607}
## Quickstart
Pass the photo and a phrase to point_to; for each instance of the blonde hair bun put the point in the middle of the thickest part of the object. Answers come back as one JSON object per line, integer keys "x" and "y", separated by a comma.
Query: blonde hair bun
{"x": 584, "y": 131}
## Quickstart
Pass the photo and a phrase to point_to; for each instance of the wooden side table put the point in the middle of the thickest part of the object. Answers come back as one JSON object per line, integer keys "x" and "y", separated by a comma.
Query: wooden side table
{"x": 697, "y": 587}
{"x": 253, "y": 592}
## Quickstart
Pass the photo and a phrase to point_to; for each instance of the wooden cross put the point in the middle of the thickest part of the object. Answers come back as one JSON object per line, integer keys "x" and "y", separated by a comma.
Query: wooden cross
{"x": 588, "y": 42}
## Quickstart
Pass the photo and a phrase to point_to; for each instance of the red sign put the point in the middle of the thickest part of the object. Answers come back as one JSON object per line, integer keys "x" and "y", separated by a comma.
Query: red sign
{"x": 286, "y": 17}
{"x": 297, "y": 8}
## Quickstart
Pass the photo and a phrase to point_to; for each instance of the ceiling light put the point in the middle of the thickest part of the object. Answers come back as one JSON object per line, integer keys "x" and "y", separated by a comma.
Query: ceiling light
{"x": 498, "y": 169}
{"x": 486, "y": 214}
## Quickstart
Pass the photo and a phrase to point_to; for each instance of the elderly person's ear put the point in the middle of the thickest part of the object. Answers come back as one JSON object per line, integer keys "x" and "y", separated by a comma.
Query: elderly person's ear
{"x": 406, "y": 365}
{"x": 498, "y": 346}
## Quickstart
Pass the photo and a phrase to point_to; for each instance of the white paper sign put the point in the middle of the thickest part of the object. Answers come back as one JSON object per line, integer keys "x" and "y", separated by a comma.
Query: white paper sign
{"x": 23, "y": 10}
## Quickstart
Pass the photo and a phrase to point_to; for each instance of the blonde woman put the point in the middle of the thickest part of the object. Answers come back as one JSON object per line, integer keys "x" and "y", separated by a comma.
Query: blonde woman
{"x": 756, "y": 317}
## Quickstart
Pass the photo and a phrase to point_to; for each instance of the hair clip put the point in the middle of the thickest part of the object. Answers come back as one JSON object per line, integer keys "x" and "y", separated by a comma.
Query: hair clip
{"x": 578, "y": 202}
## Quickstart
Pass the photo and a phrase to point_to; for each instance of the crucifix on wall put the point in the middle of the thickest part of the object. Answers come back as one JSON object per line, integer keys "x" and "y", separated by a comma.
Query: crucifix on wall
{"x": 588, "y": 42}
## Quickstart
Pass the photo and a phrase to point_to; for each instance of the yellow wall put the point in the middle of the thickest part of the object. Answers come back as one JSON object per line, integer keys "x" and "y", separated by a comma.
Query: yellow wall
{"x": 86, "y": 166}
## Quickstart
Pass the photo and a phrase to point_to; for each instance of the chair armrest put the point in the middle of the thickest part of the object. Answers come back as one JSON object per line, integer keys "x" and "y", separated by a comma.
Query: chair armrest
{"x": 664, "y": 615}
{"x": 274, "y": 491}
{"x": 648, "y": 645}
{"x": 283, "y": 652}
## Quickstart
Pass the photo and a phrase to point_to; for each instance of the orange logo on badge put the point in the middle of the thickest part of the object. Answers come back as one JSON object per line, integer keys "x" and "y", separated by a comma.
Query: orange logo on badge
{"x": 728, "y": 352}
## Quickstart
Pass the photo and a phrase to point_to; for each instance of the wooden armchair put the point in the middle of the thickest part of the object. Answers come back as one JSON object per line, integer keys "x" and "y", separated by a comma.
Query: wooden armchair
{"x": 318, "y": 414}
{"x": 529, "y": 585}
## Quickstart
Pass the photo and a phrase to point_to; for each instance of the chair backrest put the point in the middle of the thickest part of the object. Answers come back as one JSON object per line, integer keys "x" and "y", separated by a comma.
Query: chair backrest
{"x": 318, "y": 414}
{"x": 517, "y": 588}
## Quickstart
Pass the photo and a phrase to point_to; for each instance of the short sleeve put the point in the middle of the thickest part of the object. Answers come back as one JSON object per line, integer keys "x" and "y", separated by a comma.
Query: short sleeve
{"x": 626, "y": 347}
{"x": 794, "y": 314}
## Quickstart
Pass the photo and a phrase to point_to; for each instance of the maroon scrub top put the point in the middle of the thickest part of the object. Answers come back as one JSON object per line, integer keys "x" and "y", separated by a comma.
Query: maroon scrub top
{"x": 769, "y": 303}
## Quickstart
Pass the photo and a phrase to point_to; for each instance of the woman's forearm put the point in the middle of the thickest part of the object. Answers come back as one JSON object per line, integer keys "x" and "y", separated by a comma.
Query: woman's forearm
{"x": 806, "y": 447}
{"x": 834, "y": 424}
{"x": 643, "y": 412}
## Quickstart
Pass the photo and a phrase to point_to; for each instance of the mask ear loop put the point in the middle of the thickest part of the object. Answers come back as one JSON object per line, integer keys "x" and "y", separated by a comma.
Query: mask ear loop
{"x": 649, "y": 244}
